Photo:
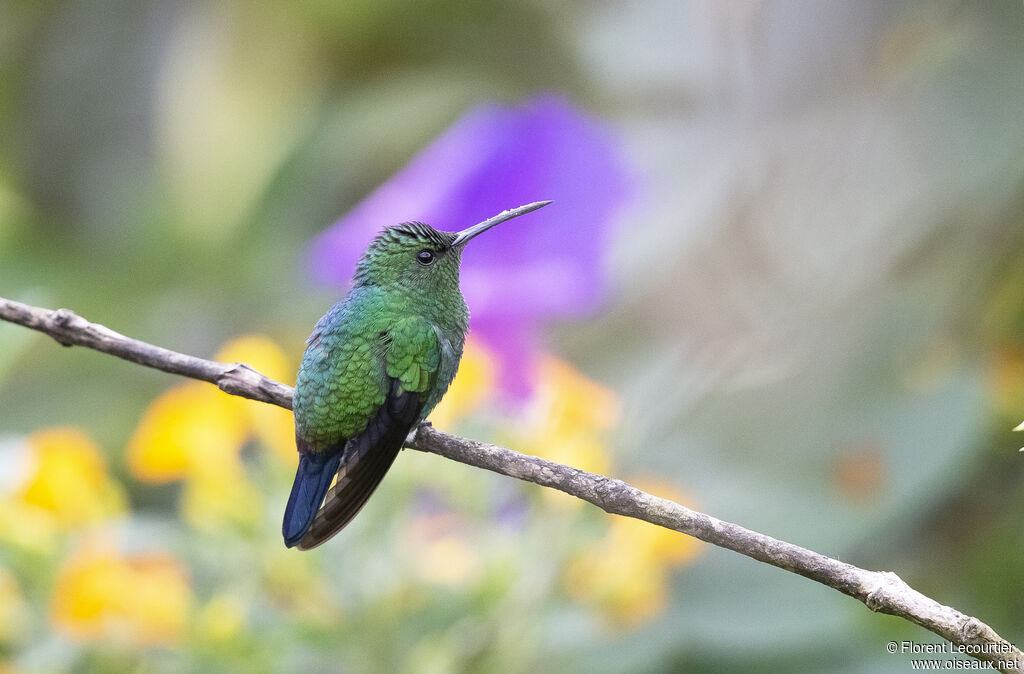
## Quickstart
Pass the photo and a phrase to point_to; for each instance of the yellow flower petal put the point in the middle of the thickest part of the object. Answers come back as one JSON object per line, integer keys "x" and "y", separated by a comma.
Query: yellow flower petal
{"x": 260, "y": 352}
{"x": 29, "y": 527}
{"x": 193, "y": 428}
{"x": 663, "y": 545}
{"x": 625, "y": 575}
{"x": 471, "y": 388}
{"x": 195, "y": 432}
{"x": 585, "y": 451}
{"x": 569, "y": 418}
{"x": 625, "y": 586}
{"x": 140, "y": 599}
{"x": 568, "y": 422}
{"x": 71, "y": 478}
{"x": 571, "y": 400}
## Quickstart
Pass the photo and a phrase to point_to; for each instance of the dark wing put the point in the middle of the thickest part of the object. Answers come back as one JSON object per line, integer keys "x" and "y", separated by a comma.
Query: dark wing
{"x": 411, "y": 363}
{"x": 367, "y": 457}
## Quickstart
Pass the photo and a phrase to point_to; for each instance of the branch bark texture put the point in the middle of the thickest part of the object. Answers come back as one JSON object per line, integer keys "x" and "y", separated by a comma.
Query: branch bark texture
{"x": 880, "y": 591}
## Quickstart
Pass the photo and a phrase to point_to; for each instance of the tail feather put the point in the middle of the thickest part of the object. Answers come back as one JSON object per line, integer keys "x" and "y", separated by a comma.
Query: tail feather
{"x": 357, "y": 480}
{"x": 367, "y": 457}
{"x": 312, "y": 480}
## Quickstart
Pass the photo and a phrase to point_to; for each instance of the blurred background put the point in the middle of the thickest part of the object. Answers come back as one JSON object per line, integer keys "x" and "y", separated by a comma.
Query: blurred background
{"x": 781, "y": 282}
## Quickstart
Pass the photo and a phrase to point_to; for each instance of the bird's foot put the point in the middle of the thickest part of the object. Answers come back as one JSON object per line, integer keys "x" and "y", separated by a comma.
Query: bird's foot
{"x": 411, "y": 438}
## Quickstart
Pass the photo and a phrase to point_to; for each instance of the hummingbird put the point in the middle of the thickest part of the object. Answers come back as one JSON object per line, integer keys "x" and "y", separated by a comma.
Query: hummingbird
{"x": 375, "y": 366}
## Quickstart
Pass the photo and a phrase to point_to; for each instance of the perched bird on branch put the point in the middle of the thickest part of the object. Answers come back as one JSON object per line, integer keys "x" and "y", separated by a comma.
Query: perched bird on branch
{"x": 376, "y": 365}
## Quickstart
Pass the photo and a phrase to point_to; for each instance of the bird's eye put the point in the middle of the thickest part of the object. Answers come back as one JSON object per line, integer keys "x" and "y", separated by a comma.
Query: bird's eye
{"x": 425, "y": 257}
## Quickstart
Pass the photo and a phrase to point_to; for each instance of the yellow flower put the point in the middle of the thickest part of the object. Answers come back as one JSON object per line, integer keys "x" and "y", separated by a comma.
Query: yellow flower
{"x": 471, "y": 388}
{"x": 627, "y": 587}
{"x": 586, "y": 451}
{"x": 195, "y": 432}
{"x": 569, "y": 416}
{"x": 273, "y": 425}
{"x": 568, "y": 421}
{"x": 569, "y": 399}
{"x": 140, "y": 599}
{"x": 626, "y": 575}
{"x": 70, "y": 479}
{"x": 192, "y": 429}
{"x": 261, "y": 353}
{"x": 28, "y": 527}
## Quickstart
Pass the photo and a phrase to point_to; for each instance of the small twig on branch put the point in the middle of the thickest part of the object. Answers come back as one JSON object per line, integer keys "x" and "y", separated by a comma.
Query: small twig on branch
{"x": 883, "y": 592}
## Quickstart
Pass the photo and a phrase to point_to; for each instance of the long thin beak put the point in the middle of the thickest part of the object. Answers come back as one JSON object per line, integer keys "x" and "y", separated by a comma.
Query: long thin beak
{"x": 465, "y": 235}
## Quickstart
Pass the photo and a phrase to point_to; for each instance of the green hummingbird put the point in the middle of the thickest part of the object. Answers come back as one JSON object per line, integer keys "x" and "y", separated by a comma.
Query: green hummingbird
{"x": 375, "y": 366}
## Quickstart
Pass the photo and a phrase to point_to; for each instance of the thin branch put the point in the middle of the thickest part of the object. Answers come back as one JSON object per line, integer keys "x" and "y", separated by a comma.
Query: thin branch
{"x": 883, "y": 592}
{"x": 70, "y": 329}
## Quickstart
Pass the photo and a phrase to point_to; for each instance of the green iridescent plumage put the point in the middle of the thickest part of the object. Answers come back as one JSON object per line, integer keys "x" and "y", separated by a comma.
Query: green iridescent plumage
{"x": 376, "y": 364}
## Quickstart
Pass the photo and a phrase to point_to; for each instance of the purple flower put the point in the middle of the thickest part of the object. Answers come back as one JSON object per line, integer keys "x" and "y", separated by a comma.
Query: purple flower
{"x": 546, "y": 265}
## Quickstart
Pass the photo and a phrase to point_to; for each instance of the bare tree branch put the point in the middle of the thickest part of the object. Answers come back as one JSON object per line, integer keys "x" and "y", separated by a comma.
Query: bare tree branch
{"x": 883, "y": 592}
{"x": 70, "y": 329}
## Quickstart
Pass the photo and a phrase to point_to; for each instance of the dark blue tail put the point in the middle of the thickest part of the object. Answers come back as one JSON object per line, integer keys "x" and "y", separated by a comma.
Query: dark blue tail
{"x": 312, "y": 480}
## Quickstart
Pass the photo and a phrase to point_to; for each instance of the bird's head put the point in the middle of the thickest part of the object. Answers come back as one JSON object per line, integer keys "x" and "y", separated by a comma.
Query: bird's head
{"x": 419, "y": 257}
{"x": 411, "y": 254}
